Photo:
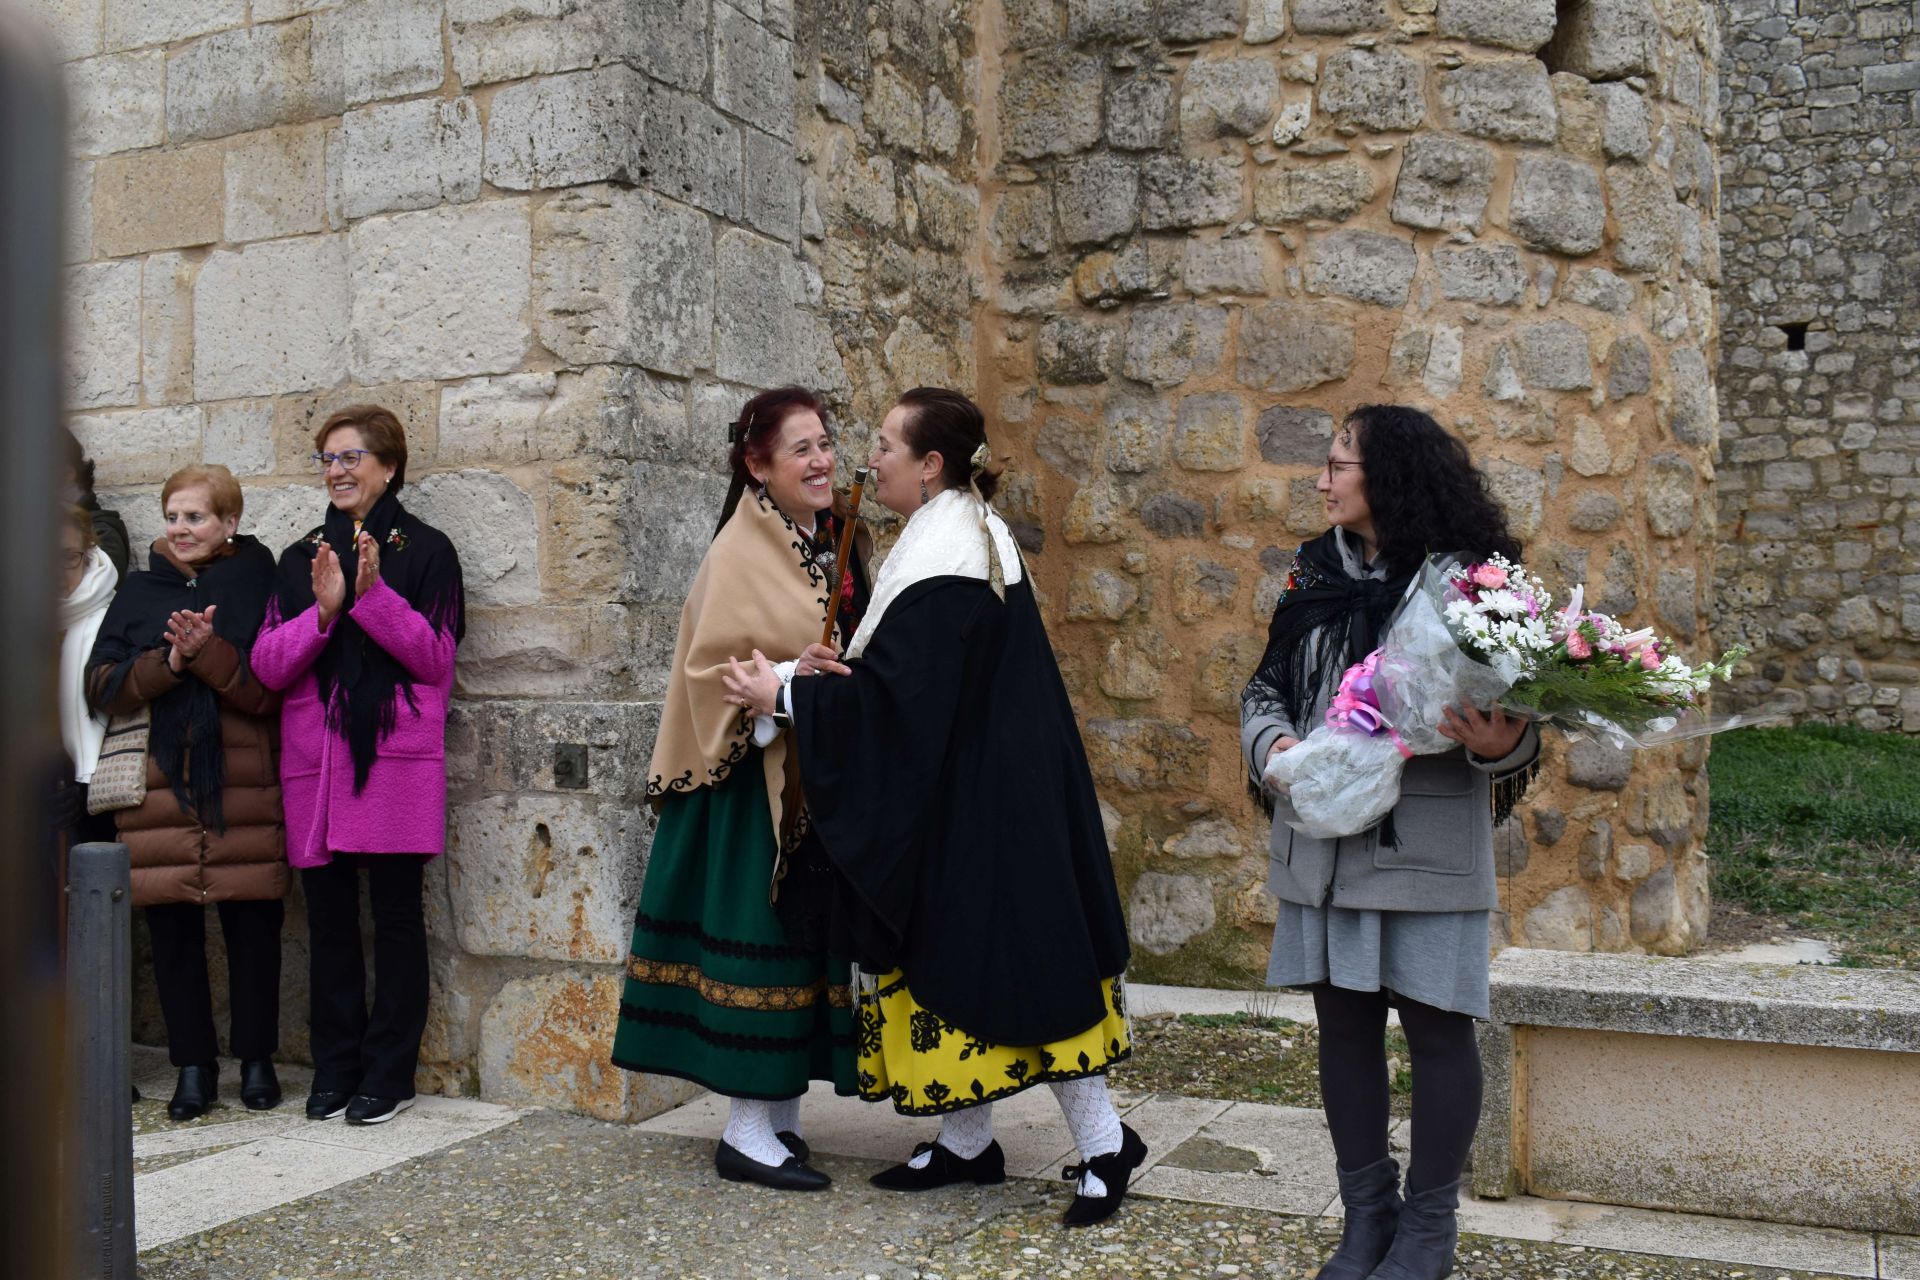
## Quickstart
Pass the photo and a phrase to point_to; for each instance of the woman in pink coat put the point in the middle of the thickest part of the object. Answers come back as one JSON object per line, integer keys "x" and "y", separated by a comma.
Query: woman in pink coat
{"x": 361, "y": 635}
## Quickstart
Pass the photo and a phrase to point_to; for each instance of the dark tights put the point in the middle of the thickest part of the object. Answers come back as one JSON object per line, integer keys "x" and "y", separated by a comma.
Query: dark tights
{"x": 1353, "y": 1082}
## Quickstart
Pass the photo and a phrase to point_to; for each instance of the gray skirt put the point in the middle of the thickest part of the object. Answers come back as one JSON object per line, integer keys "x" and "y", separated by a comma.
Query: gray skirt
{"x": 1436, "y": 957}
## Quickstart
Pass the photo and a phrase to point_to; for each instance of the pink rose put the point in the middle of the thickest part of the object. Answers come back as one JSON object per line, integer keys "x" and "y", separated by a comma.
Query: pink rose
{"x": 1490, "y": 576}
{"x": 1650, "y": 658}
{"x": 1578, "y": 647}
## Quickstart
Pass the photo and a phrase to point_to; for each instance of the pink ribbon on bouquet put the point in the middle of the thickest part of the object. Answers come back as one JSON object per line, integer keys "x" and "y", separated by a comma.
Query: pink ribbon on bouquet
{"x": 1356, "y": 705}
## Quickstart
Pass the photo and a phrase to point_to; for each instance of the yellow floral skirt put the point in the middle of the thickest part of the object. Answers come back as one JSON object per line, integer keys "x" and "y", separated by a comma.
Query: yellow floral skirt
{"x": 928, "y": 1066}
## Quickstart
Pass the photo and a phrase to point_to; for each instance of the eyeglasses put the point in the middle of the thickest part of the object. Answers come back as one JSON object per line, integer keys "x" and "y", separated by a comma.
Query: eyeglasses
{"x": 73, "y": 559}
{"x": 1334, "y": 467}
{"x": 348, "y": 458}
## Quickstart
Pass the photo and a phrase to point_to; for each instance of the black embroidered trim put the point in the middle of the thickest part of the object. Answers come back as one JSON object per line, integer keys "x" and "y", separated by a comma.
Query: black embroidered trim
{"x": 723, "y": 1039}
{"x": 970, "y": 1099}
{"x": 718, "y": 946}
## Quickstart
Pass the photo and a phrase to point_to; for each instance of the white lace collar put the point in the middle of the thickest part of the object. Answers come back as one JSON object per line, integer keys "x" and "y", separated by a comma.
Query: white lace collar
{"x": 942, "y": 539}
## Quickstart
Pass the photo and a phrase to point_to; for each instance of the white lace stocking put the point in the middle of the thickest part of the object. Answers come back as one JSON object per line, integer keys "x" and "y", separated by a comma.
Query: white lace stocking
{"x": 1091, "y": 1119}
{"x": 750, "y": 1132}
{"x": 965, "y": 1132}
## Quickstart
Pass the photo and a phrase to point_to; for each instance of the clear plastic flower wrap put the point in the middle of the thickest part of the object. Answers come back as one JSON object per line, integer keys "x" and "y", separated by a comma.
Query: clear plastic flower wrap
{"x": 1344, "y": 777}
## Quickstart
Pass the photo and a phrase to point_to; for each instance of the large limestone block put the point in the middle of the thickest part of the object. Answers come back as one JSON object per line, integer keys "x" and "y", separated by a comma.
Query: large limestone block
{"x": 1562, "y": 922}
{"x": 1166, "y": 911}
{"x": 143, "y": 446}
{"x": 239, "y": 436}
{"x": 1171, "y": 342}
{"x": 949, "y": 210}
{"x": 1524, "y": 25}
{"x": 1050, "y": 104}
{"x": 1139, "y": 110}
{"x": 1557, "y": 205}
{"x": 1509, "y": 99}
{"x": 441, "y": 293}
{"x": 1555, "y": 356}
{"x": 1181, "y": 192}
{"x": 1606, "y": 39}
{"x": 256, "y": 77}
{"x": 409, "y": 155}
{"x": 103, "y": 334}
{"x": 166, "y": 328}
{"x": 276, "y": 184}
{"x": 1444, "y": 182}
{"x": 548, "y": 1041}
{"x": 391, "y": 48}
{"x": 752, "y": 72}
{"x": 1287, "y": 347}
{"x": 1144, "y": 754}
{"x": 1492, "y": 274}
{"x": 1334, "y": 192}
{"x": 494, "y": 419}
{"x": 1690, "y": 412}
{"x": 1228, "y": 97}
{"x": 584, "y": 555}
{"x": 562, "y": 131}
{"x": 1096, "y": 199}
{"x": 773, "y": 183}
{"x": 550, "y": 652}
{"x": 1644, "y": 209}
{"x": 1338, "y": 17}
{"x": 75, "y": 26}
{"x": 499, "y": 40}
{"x": 156, "y": 200}
{"x": 131, "y": 24}
{"x": 755, "y": 332}
{"x": 281, "y": 514}
{"x": 1363, "y": 265}
{"x": 297, "y": 419}
{"x": 491, "y": 521}
{"x": 1380, "y": 89}
{"x": 624, "y": 276}
{"x": 547, "y": 877}
{"x": 117, "y": 102}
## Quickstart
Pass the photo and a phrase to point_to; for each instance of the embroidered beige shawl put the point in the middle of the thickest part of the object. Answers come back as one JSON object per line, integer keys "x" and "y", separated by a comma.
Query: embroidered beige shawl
{"x": 758, "y": 587}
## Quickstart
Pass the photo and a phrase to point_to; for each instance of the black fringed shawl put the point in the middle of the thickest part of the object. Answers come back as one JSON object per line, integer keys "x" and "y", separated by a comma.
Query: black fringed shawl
{"x": 184, "y": 739}
{"x": 361, "y": 683}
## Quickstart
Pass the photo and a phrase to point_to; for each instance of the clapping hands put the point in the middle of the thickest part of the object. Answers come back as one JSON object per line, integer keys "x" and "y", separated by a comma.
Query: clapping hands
{"x": 187, "y": 634}
{"x": 330, "y": 580}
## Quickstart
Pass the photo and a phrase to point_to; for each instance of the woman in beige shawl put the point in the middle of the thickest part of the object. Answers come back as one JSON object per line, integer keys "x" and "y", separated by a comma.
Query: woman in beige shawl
{"x": 718, "y": 991}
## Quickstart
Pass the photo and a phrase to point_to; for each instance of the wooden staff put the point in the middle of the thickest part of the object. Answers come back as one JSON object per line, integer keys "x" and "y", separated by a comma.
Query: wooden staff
{"x": 846, "y": 548}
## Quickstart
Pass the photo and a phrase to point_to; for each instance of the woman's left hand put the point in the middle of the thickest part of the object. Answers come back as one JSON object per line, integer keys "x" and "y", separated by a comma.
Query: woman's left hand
{"x": 369, "y": 574}
{"x": 188, "y": 633}
{"x": 1491, "y": 736}
{"x": 820, "y": 657}
{"x": 752, "y": 687}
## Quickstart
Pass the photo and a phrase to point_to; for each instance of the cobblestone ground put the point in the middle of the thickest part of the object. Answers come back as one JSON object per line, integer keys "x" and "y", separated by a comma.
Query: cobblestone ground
{"x": 559, "y": 1196}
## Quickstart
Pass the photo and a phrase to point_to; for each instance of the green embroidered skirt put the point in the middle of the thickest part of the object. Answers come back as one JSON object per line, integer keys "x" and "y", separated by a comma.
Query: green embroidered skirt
{"x": 714, "y": 991}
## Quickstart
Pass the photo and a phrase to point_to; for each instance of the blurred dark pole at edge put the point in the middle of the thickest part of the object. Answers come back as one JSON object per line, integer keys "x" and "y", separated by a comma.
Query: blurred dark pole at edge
{"x": 32, "y": 178}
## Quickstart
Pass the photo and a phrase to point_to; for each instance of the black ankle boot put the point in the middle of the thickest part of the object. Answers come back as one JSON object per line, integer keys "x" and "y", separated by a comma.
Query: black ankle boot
{"x": 197, "y": 1090}
{"x": 1424, "y": 1239}
{"x": 1371, "y": 1198}
{"x": 259, "y": 1086}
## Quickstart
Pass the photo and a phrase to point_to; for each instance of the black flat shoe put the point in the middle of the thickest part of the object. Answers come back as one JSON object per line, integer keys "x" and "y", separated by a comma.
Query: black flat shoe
{"x": 984, "y": 1170}
{"x": 796, "y": 1144}
{"x": 325, "y": 1104}
{"x": 197, "y": 1090}
{"x": 790, "y": 1175}
{"x": 1113, "y": 1169}
{"x": 259, "y": 1086}
{"x": 366, "y": 1109}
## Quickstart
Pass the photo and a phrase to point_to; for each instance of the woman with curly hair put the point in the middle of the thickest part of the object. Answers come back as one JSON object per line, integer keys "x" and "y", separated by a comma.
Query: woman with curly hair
{"x": 1397, "y": 915}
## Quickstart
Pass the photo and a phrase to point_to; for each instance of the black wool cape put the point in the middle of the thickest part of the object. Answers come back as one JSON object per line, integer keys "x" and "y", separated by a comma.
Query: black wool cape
{"x": 948, "y": 783}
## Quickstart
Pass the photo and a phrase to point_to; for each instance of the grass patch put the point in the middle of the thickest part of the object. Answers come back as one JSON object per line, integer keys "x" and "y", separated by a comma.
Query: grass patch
{"x": 1816, "y": 825}
{"x": 1243, "y": 1057}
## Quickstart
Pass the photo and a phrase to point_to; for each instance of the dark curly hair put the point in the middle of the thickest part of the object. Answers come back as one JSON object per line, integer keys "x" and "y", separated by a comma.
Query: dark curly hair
{"x": 1425, "y": 492}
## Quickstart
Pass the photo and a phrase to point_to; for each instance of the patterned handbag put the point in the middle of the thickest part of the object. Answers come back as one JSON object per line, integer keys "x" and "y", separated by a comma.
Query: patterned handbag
{"x": 120, "y": 778}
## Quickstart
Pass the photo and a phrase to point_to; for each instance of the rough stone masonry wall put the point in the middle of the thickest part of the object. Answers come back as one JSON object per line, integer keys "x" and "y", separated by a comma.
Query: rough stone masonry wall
{"x": 564, "y": 241}
{"x": 1819, "y": 563}
{"x": 1214, "y": 226}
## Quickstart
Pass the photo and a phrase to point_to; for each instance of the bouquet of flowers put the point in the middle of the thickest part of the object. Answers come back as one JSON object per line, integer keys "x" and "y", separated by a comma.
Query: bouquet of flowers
{"x": 1482, "y": 634}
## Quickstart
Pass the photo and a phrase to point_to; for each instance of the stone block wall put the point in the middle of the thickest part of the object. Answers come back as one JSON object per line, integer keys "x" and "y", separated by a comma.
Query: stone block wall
{"x": 563, "y": 242}
{"x": 1211, "y": 229}
{"x": 1819, "y": 567}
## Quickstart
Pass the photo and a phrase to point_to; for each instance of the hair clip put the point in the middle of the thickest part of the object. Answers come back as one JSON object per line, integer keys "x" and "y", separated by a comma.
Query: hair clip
{"x": 981, "y": 457}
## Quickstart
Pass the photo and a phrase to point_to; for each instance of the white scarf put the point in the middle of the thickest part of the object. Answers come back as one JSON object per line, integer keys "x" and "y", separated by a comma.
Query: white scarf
{"x": 81, "y": 727}
{"x": 941, "y": 539}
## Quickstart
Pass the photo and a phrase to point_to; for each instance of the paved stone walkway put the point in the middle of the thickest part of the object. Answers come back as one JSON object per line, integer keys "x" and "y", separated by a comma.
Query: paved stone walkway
{"x": 458, "y": 1188}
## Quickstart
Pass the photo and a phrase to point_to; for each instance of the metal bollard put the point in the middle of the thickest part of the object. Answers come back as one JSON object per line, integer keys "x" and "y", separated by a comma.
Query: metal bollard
{"x": 99, "y": 1153}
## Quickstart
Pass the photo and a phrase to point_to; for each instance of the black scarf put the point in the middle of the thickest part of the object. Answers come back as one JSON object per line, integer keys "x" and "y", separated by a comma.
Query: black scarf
{"x": 361, "y": 684}
{"x": 184, "y": 739}
{"x": 1348, "y": 613}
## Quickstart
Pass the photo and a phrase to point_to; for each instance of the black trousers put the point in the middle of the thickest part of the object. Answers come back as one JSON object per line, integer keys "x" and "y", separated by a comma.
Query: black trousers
{"x": 252, "y": 931}
{"x": 354, "y": 1052}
